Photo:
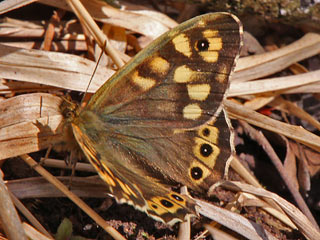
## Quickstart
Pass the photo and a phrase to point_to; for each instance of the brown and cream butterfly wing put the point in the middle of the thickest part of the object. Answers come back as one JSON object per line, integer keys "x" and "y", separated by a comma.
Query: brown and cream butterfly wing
{"x": 179, "y": 80}
{"x": 158, "y": 123}
{"x": 130, "y": 175}
{"x": 140, "y": 170}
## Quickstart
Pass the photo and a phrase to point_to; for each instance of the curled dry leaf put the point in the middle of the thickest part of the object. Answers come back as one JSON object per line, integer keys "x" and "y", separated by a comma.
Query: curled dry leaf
{"x": 29, "y": 123}
{"x": 51, "y": 68}
{"x": 300, "y": 220}
{"x": 312, "y": 158}
{"x": 261, "y": 65}
{"x": 38, "y": 187}
{"x": 140, "y": 21}
{"x": 297, "y": 133}
{"x": 289, "y": 165}
{"x": 274, "y": 85}
{"x": 233, "y": 221}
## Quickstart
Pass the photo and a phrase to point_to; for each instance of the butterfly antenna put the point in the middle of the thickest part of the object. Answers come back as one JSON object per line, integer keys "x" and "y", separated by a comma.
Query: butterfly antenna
{"x": 93, "y": 73}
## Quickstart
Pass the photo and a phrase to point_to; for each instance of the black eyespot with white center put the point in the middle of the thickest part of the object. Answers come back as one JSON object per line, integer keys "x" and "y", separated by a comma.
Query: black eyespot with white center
{"x": 166, "y": 203}
{"x": 203, "y": 45}
{"x": 176, "y": 197}
{"x": 196, "y": 173}
{"x": 206, "y": 150}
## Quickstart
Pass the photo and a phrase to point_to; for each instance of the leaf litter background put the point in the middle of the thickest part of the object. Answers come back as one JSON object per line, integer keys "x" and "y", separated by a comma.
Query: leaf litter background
{"x": 275, "y": 88}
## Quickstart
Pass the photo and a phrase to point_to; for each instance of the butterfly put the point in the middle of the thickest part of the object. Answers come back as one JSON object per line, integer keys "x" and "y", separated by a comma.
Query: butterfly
{"x": 159, "y": 123}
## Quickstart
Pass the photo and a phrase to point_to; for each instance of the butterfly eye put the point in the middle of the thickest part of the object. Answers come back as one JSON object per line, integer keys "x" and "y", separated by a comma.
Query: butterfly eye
{"x": 203, "y": 45}
{"x": 69, "y": 114}
{"x": 196, "y": 173}
{"x": 206, "y": 150}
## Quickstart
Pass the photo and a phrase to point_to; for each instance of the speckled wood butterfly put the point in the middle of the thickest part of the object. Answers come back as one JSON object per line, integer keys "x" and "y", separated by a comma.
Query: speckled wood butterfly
{"x": 158, "y": 122}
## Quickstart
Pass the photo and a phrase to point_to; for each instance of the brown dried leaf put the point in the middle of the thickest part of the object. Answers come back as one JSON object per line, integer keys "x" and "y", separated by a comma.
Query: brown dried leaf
{"x": 257, "y": 66}
{"x": 51, "y": 68}
{"x": 301, "y": 221}
{"x": 297, "y": 133}
{"x": 29, "y": 123}
{"x": 148, "y": 23}
{"x": 290, "y": 165}
{"x": 312, "y": 157}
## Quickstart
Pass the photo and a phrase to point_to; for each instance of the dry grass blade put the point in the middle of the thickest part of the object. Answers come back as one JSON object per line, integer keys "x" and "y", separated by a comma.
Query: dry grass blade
{"x": 260, "y": 138}
{"x": 16, "y": 29}
{"x": 85, "y": 167}
{"x": 34, "y": 121}
{"x": 50, "y": 68}
{"x": 301, "y": 221}
{"x": 33, "y": 233}
{"x": 100, "y": 221}
{"x": 86, "y": 19}
{"x": 287, "y": 106}
{"x": 258, "y": 102}
{"x": 37, "y": 187}
{"x": 274, "y": 85}
{"x": 257, "y": 66}
{"x": 217, "y": 234}
{"x": 28, "y": 215}
{"x": 233, "y": 221}
{"x": 28, "y": 107}
{"x": 8, "y": 214}
{"x": 137, "y": 21}
{"x": 9, "y": 5}
{"x": 184, "y": 227}
{"x": 297, "y": 133}
{"x": 247, "y": 176}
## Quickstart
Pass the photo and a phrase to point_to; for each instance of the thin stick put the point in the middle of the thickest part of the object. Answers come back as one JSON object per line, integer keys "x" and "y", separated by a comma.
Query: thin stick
{"x": 99, "y": 220}
{"x": 8, "y": 215}
{"x": 261, "y": 139}
{"x": 98, "y": 35}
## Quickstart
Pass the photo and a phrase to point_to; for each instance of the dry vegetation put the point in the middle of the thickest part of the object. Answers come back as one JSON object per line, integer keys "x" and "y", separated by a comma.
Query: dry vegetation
{"x": 275, "y": 88}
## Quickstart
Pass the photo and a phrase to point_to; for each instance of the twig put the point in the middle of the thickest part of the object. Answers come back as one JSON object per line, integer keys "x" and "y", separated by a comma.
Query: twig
{"x": 8, "y": 215}
{"x": 99, "y": 220}
{"x": 261, "y": 139}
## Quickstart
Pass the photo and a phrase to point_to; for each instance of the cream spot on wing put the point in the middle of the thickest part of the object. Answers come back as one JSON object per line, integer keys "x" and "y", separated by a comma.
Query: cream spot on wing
{"x": 182, "y": 44}
{"x": 210, "y": 57}
{"x": 159, "y": 65}
{"x": 182, "y": 74}
{"x": 142, "y": 82}
{"x": 209, "y": 33}
{"x": 222, "y": 75}
{"x": 198, "y": 92}
{"x": 215, "y": 44}
{"x": 192, "y": 111}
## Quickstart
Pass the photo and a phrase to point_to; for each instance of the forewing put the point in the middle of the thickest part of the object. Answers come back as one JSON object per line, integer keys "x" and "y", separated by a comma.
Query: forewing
{"x": 179, "y": 80}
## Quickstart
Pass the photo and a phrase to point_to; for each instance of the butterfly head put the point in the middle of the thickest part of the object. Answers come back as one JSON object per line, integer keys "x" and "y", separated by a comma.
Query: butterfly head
{"x": 69, "y": 109}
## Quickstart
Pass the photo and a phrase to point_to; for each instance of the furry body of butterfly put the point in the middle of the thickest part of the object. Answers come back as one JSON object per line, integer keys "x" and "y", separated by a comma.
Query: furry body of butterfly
{"x": 158, "y": 122}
